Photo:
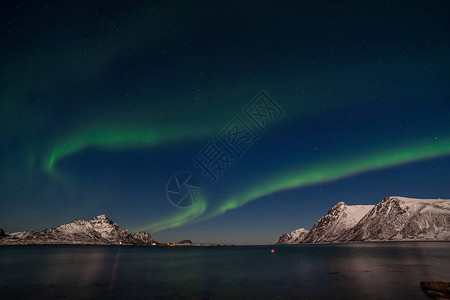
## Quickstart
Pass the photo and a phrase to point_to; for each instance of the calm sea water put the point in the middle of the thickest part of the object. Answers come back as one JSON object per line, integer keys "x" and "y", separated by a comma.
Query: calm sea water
{"x": 349, "y": 271}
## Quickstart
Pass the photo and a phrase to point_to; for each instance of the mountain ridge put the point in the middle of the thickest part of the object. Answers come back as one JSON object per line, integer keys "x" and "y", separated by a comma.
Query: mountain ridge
{"x": 100, "y": 230}
{"x": 395, "y": 218}
{"x": 401, "y": 218}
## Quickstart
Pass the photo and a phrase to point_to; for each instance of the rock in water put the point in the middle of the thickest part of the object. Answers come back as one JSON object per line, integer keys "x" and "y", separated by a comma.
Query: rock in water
{"x": 2, "y": 233}
{"x": 436, "y": 289}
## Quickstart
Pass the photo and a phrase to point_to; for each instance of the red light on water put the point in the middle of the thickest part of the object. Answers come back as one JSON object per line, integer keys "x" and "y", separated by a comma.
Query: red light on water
{"x": 272, "y": 251}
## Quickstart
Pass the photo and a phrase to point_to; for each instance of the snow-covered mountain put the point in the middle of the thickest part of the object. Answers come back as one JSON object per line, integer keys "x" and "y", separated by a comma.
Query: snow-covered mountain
{"x": 294, "y": 237}
{"x": 394, "y": 218}
{"x": 143, "y": 237}
{"x": 99, "y": 230}
{"x": 400, "y": 218}
{"x": 337, "y": 221}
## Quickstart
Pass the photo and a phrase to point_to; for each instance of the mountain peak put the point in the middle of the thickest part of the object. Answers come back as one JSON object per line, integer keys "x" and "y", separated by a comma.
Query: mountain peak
{"x": 143, "y": 236}
{"x": 338, "y": 207}
{"x": 294, "y": 237}
{"x": 101, "y": 219}
{"x": 338, "y": 220}
{"x": 412, "y": 200}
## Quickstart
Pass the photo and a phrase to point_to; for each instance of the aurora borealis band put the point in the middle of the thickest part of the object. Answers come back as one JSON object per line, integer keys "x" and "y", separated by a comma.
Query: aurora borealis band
{"x": 102, "y": 103}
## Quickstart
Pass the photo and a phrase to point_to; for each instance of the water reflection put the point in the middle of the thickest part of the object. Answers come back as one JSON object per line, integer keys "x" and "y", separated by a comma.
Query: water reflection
{"x": 350, "y": 271}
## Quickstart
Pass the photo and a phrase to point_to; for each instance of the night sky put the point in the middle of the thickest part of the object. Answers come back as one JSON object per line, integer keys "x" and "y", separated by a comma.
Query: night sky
{"x": 101, "y": 103}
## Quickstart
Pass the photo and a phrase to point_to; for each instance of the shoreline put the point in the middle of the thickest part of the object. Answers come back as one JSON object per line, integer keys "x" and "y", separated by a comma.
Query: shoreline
{"x": 225, "y": 245}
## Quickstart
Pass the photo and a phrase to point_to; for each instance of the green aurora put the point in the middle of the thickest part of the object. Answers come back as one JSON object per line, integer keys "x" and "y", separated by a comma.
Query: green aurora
{"x": 326, "y": 171}
{"x": 99, "y": 102}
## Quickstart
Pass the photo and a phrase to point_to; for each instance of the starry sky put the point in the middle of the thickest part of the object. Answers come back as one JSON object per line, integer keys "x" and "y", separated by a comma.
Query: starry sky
{"x": 102, "y": 102}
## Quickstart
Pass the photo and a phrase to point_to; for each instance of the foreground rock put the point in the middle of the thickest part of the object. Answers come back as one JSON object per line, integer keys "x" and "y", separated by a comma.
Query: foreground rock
{"x": 99, "y": 230}
{"x": 436, "y": 289}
